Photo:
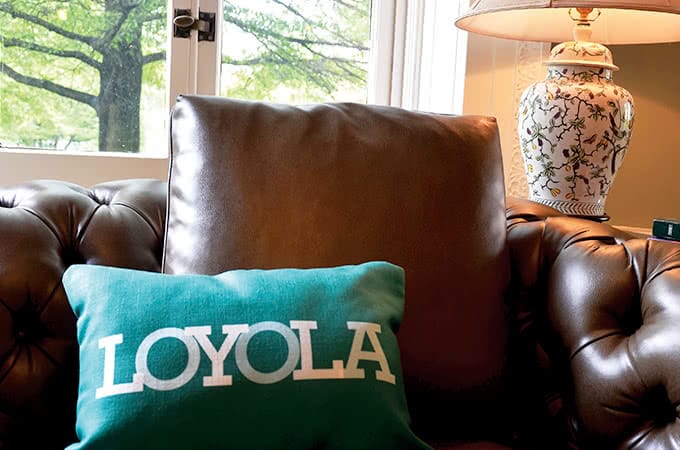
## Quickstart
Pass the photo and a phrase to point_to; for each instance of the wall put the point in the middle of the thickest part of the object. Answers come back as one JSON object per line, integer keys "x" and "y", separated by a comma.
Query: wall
{"x": 648, "y": 184}
{"x": 498, "y": 71}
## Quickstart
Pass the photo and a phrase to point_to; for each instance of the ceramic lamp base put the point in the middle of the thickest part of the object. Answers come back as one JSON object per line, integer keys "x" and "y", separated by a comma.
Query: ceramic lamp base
{"x": 574, "y": 130}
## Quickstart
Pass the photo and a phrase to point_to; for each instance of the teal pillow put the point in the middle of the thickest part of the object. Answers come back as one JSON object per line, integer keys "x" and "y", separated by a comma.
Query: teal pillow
{"x": 247, "y": 359}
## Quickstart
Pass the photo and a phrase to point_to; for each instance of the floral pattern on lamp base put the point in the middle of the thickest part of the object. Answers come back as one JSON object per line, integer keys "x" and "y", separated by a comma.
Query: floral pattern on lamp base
{"x": 574, "y": 130}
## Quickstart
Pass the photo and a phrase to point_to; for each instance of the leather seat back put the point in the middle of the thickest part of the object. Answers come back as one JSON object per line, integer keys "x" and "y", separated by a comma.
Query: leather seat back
{"x": 256, "y": 185}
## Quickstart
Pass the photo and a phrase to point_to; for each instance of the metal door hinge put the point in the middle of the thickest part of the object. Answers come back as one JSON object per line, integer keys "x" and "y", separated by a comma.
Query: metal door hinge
{"x": 183, "y": 24}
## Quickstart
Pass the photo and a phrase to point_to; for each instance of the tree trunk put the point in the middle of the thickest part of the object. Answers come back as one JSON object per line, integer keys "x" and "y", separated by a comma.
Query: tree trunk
{"x": 118, "y": 103}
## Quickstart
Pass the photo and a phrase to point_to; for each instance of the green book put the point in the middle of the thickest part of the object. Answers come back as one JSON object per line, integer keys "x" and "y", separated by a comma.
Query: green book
{"x": 666, "y": 229}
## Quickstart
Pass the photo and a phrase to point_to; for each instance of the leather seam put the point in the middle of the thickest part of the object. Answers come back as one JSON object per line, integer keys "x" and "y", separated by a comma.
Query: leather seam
{"x": 46, "y": 355}
{"x": 86, "y": 225}
{"x": 3, "y": 303}
{"x": 46, "y": 223}
{"x": 49, "y": 298}
{"x": 597, "y": 339}
{"x": 143, "y": 216}
{"x": 640, "y": 438}
{"x": 168, "y": 189}
{"x": 634, "y": 367}
{"x": 541, "y": 253}
{"x": 632, "y": 262}
{"x": 661, "y": 272}
{"x": 675, "y": 256}
{"x": 643, "y": 283}
{"x": 13, "y": 362}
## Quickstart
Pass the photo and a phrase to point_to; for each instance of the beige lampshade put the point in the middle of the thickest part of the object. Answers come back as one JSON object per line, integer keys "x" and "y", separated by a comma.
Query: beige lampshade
{"x": 620, "y": 22}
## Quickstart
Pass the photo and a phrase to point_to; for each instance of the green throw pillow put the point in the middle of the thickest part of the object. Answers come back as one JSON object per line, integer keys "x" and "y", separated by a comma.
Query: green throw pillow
{"x": 247, "y": 359}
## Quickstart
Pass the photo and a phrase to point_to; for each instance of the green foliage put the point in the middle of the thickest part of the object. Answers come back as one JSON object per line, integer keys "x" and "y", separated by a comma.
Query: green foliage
{"x": 56, "y": 55}
{"x": 296, "y": 50}
{"x": 26, "y": 120}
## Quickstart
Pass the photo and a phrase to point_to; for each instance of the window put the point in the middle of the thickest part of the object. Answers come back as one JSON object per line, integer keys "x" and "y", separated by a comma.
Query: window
{"x": 91, "y": 75}
{"x": 295, "y": 51}
{"x": 82, "y": 75}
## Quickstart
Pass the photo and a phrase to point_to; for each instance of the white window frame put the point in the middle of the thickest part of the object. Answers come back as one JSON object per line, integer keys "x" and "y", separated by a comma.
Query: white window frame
{"x": 402, "y": 44}
{"x": 419, "y": 56}
{"x": 198, "y": 69}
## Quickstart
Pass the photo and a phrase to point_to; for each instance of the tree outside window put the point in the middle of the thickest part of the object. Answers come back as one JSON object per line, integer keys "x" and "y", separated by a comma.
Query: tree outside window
{"x": 90, "y": 74}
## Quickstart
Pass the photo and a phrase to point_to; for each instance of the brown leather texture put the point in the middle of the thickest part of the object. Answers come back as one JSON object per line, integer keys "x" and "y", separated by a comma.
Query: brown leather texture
{"x": 255, "y": 185}
{"x": 600, "y": 313}
{"x": 45, "y": 226}
{"x": 595, "y": 313}
{"x": 592, "y": 313}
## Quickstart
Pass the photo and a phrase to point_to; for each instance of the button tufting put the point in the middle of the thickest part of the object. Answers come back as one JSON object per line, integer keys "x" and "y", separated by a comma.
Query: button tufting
{"x": 659, "y": 407}
{"x": 71, "y": 256}
{"x": 101, "y": 201}
{"x": 27, "y": 324}
{"x": 38, "y": 352}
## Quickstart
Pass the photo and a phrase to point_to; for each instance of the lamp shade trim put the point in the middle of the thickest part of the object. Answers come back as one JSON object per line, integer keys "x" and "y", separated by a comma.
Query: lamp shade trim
{"x": 620, "y": 22}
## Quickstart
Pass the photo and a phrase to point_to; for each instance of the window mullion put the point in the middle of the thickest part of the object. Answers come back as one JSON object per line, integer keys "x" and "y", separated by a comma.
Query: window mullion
{"x": 413, "y": 54}
{"x": 209, "y": 54}
{"x": 382, "y": 47}
{"x": 194, "y": 66}
{"x": 181, "y": 67}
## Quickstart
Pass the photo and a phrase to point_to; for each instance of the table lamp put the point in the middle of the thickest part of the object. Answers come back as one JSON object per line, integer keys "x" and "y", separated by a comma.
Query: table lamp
{"x": 574, "y": 126}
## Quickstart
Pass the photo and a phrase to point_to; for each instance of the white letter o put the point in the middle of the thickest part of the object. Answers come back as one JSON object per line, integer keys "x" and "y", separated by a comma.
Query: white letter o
{"x": 180, "y": 380}
{"x": 271, "y": 377}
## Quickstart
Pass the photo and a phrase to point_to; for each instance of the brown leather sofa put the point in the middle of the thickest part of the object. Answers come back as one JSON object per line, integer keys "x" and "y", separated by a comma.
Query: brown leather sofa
{"x": 591, "y": 338}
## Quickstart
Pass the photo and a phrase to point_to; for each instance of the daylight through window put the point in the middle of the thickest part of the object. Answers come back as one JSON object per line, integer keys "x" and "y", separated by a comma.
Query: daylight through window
{"x": 90, "y": 75}
{"x": 96, "y": 75}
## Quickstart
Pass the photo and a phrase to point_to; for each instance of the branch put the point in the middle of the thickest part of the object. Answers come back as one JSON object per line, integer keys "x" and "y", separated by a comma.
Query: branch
{"x": 295, "y": 12}
{"x": 347, "y": 5}
{"x": 341, "y": 63}
{"x": 149, "y": 16}
{"x": 302, "y": 68}
{"x": 256, "y": 30}
{"x": 249, "y": 62}
{"x": 308, "y": 69}
{"x": 153, "y": 57}
{"x": 9, "y": 9}
{"x": 105, "y": 40}
{"x": 313, "y": 24}
{"x": 298, "y": 66}
{"x": 51, "y": 51}
{"x": 306, "y": 42}
{"x": 58, "y": 89}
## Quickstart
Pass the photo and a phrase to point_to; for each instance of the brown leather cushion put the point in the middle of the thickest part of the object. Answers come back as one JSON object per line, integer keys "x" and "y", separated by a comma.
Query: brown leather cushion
{"x": 46, "y": 226}
{"x": 602, "y": 311}
{"x": 261, "y": 185}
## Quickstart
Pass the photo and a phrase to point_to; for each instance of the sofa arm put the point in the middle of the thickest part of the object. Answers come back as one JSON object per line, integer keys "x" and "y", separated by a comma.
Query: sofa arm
{"x": 45, "y": 227}
{"x": 599, "y": 313}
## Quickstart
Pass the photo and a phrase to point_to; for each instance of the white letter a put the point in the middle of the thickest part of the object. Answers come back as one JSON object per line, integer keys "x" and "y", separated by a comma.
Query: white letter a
{"x": 356, "y": 354}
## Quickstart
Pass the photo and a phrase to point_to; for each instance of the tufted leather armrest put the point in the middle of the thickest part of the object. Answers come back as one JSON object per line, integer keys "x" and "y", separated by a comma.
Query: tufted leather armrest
{"x": 600, "y": 317}
{"x": 45, "y": 226}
